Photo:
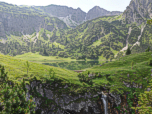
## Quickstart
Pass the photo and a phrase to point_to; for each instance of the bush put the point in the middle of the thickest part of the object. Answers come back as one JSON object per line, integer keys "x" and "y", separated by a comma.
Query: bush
{"x": 13, "y": 97}
{"x": 128, "y": 52}
{"x": 150, "y": 62}
{"x": 145, "y": 101}
{"x": 72, "y": 57}
{"x": 148, "y": 49}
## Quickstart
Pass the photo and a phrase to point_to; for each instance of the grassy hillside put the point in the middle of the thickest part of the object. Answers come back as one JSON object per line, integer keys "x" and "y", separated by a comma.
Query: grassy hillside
{"x": 10, "y": 8}
{"x": 16, "y": 70}
{"x": 39, "y": 58}
{"x": 102, "y": 37}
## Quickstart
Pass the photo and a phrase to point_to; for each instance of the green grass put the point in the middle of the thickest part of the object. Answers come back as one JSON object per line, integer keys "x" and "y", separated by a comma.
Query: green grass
{"x": 16, "y": 69}
{"x": 114, "y": 51}
{"x": 60, "y": 46}
{"x": 125, "y": 63}
{"x": 97, "y": 43}
{"x": 39, "y": 58}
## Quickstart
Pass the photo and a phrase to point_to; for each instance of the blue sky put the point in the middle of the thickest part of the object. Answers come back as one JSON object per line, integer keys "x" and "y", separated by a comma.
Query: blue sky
{"x": 85, "y": 5}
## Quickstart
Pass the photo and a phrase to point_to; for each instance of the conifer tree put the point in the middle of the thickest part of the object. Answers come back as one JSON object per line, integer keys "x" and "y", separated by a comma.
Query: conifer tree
{"x": 148, "y": 49}
{"x": 27, "y": 65}
{"x": 145, "y": 99}
{"x": 13, "y": 97}
{"x": 128, "y": 52}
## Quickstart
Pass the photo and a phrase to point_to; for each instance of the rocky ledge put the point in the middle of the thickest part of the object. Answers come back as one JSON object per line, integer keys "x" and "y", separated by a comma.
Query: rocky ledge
{"x": 51, "y": 98}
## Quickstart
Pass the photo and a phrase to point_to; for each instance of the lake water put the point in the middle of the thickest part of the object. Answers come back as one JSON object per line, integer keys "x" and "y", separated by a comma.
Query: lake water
{"x": 73, "y": 65}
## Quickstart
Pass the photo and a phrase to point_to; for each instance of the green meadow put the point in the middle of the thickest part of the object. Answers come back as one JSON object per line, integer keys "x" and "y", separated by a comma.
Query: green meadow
{"x": 17, "y": 70}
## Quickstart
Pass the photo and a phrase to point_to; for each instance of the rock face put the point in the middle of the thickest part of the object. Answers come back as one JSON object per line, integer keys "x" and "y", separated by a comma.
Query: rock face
{"x": 25, "y": 24}
{"x": 138, "y": 11}
{"x": 19, "y": 21}
{"x": 50, "y": 100}
{"x": 77, "y": 15}
{"x": 98, "y": 12}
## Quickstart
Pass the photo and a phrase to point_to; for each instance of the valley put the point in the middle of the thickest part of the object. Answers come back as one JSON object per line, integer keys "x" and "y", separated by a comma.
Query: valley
{"x": 56, "y": 59}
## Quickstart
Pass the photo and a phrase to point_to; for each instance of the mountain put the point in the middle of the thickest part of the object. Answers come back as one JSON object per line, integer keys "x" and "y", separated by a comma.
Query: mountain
{"x": 98, "y": 12}
{"x": 102, "y": 37}
{"x": 20, "y": 20}
{"x": 30, "y": 29}
{"x": 77, "y": 15}
{"x": 74, "y": 17}
{"x": 138, "y": 11}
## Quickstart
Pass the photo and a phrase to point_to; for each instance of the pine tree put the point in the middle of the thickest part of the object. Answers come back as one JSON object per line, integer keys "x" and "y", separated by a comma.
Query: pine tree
{"x": 27, "y": 65}
{"x": 128, "y": 52}
{"x": 45, "y": 53}
{"x": 148, "y": 49}
{"x": 13, "y": 97}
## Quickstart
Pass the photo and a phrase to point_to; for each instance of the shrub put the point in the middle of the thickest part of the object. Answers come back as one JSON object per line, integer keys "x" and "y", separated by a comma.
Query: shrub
{"x": 128, "y": 52}
{"x": 145, "y": 101}
{"x": 13, "y": 97}
{"x": 150, "y": 62}
{"x": 148, "y": 49}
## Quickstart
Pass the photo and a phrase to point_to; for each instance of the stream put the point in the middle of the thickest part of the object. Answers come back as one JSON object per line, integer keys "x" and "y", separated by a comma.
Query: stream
{"x": 103, "y": 98}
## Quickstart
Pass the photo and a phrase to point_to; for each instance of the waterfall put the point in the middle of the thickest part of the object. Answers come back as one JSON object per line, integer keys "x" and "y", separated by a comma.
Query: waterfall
{"x": 104, "y": 97}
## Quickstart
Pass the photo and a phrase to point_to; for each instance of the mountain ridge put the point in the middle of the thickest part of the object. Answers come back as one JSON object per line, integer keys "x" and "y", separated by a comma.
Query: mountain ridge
{"x": 77, "y": 15}
{"x": 100, "y": 37}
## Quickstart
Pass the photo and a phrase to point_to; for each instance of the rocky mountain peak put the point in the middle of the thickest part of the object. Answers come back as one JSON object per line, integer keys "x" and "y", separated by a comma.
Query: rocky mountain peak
{"x": 138, "y": 11}
{"x": 74, "y": 17}
{"x": 96, "y": 11}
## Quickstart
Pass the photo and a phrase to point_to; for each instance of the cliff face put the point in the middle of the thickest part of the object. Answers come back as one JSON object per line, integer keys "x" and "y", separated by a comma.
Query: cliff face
{"x": 138, "y": 11}
{"x": 77, "y": 15}
{"x": 20, "y": 20}
{"x": 21, "y": 23}
{"x": 98, "y": 12}
{"x": 63, "y": 103}
{"x": 60, "y": 102}
{"x": 74, "y": 17}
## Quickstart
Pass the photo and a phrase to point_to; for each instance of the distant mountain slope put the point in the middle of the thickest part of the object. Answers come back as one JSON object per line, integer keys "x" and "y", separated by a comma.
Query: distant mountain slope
{"x": 20, "y": 20}
{"x": 74, "y": 17}
{"x": 138, "y": 11}
{"x": 77, "y": 15}
{"x": 98, "y": 12}
{"x": 102, "y": 37}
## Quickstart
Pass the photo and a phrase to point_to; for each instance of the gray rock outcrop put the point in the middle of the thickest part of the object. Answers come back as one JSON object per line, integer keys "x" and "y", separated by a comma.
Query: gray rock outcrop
{"x": 25, "y": 24}
{"x": 138, "y": 11}
{"x": 64, "y": 103}
{"x": 98, "y": 12}
{"x": 76, "y": 16}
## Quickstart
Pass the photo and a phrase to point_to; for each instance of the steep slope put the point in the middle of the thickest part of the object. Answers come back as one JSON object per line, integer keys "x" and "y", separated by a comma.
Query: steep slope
{"x": 98, "y": 12}
{"x": 74, "y": 17}
{"x": 138, "y": 11}
{"x": 77, "y": 15}
{"x": 103, "y": 37}
{"x": 18, "y": 21}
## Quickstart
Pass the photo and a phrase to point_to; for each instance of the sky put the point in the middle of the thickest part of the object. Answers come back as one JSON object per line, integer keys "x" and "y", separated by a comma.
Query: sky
{"x": 85, "y": 5}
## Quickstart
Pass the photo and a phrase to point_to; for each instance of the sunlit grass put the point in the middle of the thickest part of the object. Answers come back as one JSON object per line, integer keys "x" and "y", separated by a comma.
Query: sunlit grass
{"x": 16, "y": 70}
{"x": 39, "y": 58}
